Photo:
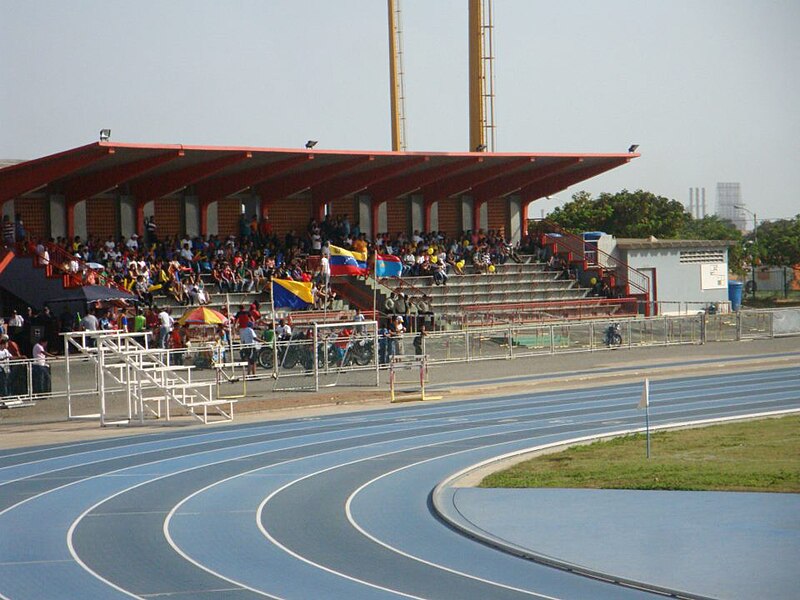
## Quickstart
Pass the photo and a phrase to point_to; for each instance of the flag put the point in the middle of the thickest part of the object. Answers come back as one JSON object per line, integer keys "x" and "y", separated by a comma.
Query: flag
{"x": 387, "y": 265}
{"x": 291, "y": 294}
{"x": 347, "y": 262}
{"x": 645, "y": 401}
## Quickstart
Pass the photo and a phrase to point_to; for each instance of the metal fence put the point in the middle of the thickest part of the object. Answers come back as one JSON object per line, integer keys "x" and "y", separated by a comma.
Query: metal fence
{"x": 357, "y": 362}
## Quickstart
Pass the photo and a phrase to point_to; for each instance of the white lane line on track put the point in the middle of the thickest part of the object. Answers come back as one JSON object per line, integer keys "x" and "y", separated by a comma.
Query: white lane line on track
{"x": 434, "y": 413}
{"x": 730, "y": 379}
{"x": 135, "y": 466}
{"x": 33, "y": 562}
{"x": 362, "y": 531}
{"x": 199, "y": 565}
{"x": 73, "y": 526}
{"x": 216, "y": 436}
{"x": 189, "y": 593}
{"x": 445, "y": 482}
{"x": 179, "y": 551}
{"x": 356, "y": 461}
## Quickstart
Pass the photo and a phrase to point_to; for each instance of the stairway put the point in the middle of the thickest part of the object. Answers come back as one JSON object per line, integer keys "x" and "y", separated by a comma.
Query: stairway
{"x": 154, "y": 388}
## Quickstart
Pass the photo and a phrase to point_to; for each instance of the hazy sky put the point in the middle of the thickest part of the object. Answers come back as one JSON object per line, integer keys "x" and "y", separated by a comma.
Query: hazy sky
{"x": 710, "y": 89}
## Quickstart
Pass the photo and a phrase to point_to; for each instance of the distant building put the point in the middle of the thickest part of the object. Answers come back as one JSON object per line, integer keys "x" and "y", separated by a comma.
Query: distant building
{"x": 729, "y": 197}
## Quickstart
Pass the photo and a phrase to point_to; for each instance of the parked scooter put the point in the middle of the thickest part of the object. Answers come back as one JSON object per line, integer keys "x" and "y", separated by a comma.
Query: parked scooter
{"x": 613, "y": 335}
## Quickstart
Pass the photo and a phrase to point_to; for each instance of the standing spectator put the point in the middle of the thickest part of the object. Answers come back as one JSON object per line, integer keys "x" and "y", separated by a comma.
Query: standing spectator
{"x": 90, "y": 323}
{"x": 19, "y": 228}
{"x": 419, "y": 342}
{"x": 165, "y": 322}
{"x": 5, "y": 366}
{"x": 40, "y": 368}
{"x": 150, "y": 230}
{"x": 359, "y": 318}
{"x": 396, "y": 334}
{"x": 325, "y": 270}
{"x": 247, "y": 336}
{"x": 242, "y": 317}
{"x": 177, "y": 341}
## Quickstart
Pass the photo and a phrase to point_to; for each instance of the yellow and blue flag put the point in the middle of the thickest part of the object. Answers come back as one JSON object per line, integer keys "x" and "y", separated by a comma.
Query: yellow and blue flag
{"x": 291, "y": 294}
{"x": 347, "y": 262}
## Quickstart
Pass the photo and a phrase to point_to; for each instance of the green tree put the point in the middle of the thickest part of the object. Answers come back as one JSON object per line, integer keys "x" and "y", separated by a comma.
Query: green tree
{"x": 636, "y": 214}
{"x": 583, "y": 213}
{"x": 778, "y": 242}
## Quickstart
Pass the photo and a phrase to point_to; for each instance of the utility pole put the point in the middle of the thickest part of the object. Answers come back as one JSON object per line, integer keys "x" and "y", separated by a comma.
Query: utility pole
{"x": 753, "y": 248}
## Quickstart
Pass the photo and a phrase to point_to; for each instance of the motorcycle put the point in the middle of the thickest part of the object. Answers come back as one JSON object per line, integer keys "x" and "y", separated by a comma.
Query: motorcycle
{"x": 297, "y": 351}
{"x": 613, "y": 335}
{"x": 359, "y": 351}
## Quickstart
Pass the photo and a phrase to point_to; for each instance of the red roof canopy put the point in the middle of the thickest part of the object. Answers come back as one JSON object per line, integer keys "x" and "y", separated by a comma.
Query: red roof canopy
{"x": 149, "y": 171}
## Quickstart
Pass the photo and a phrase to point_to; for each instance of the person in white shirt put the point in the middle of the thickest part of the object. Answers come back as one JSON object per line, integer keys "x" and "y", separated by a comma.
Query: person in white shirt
{"x": 165, "y": 322}
{"x": 40, "y": 371}
{"x": 325, "y": 269}
{"x": 133, "y": 243}
{"x": 284, "y": 330}
{"x": 5, "y": 366}
{"x": 16, "y": 320}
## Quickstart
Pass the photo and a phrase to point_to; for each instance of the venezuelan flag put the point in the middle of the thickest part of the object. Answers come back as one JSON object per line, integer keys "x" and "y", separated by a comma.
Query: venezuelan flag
{"x": 347, "y": 262}
{"x": 291, "y": 294}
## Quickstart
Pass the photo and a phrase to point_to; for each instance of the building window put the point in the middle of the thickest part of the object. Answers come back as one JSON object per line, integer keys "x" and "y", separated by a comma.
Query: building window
{"x": 702, "y": 256}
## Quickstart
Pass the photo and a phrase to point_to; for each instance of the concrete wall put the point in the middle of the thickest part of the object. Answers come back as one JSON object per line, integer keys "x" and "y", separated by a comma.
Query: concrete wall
{"x": 192, "y": 215}
{"x": 680, "y": 282}
{"x": 58, "y": 216}
{"x": 127, "y": 216}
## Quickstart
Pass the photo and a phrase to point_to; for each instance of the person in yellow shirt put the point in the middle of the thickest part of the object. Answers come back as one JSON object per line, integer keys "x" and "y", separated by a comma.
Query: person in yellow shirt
{"x": 360, "y": 245}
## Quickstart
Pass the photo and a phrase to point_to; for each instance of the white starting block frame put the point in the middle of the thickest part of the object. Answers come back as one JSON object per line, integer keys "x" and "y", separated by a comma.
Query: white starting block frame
{"x": 400, "y": 363}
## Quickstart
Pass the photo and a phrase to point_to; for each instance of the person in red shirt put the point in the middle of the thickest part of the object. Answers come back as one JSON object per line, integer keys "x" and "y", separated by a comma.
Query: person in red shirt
{"x": 342, "y": 342}
{"x": 242, "y": 317}
{"x": 255, "y": 314}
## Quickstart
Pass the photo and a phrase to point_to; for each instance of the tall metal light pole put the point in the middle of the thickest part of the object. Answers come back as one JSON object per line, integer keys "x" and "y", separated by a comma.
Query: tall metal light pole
{"x": 753, "y": 248}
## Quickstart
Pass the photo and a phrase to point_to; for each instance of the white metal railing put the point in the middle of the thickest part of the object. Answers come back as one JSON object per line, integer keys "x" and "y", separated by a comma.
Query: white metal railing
{"x": 76, "y": 377}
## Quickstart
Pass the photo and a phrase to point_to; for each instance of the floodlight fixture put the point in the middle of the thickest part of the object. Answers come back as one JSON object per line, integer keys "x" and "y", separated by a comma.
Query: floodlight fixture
{"x": 105, "y": 135}
{"x": 633, "y": 148}
{"x": 311, "y": 143}
{"x": 480, "y": 148}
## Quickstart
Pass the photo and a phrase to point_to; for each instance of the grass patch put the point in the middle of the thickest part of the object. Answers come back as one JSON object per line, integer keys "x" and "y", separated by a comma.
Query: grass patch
{"x": 753, "y": 456}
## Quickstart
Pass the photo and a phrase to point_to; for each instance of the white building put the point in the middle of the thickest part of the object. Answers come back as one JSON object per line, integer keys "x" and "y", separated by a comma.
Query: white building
{"x": 684, "y": 275}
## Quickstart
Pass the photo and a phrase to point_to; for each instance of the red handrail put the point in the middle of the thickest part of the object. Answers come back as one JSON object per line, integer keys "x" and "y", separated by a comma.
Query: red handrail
{"x": 576, "y": 244}
{"x": 61, "y": 260}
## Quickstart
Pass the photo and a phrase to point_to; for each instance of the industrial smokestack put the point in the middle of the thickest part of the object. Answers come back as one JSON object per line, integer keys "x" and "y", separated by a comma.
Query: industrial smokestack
{"x": 704, "y": 203}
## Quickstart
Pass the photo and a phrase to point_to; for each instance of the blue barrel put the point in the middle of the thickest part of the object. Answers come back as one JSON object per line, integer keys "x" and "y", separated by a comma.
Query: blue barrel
{"x": 735, "y": 294}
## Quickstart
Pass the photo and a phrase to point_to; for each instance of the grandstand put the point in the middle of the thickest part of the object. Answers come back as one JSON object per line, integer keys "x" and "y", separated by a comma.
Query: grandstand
{"x": 210, "y": 196}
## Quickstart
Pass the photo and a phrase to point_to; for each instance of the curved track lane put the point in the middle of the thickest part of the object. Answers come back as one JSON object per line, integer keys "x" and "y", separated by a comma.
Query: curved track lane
{"x": 329, "y": 507}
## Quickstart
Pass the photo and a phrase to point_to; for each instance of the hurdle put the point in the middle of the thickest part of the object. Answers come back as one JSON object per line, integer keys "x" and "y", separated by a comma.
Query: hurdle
{"x": 409, "y": 363}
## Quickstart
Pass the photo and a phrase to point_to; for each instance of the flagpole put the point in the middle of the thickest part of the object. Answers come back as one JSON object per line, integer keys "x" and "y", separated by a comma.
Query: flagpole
{"x": 646, "y": 393}
{"x": 375, "y": 288}
{"x": 274, "y": 330}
